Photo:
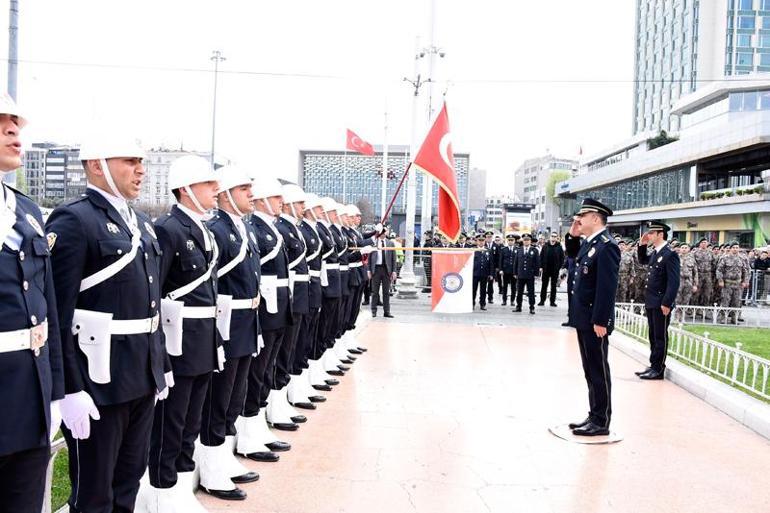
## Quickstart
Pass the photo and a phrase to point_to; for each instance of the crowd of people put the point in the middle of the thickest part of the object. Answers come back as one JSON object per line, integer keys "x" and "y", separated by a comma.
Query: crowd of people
{"x": 157, "y": 342}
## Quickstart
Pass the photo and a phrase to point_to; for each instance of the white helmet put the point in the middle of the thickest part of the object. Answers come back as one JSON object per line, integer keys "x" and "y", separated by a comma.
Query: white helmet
{"x": 353, "y": 210}
{"x": 8, "y": 106}
{"x": 292, "y": 193}
{"x": 189, "y": 170}
{"x": 103, "y": 146}
{"x": 312, "y": 200}
{"x": 232, "y": 176}
{"x": 265, "y": 187}
{"x": 329, "y": 204}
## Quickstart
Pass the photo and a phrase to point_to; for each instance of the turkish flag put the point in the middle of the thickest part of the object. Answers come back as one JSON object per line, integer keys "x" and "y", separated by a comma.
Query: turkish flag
{"x": 435, "y": 158}
{"x": 355, "y": 143}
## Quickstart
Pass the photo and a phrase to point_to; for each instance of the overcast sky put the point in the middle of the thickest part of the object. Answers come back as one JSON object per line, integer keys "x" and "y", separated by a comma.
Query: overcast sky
{"x": 521, "y": 77}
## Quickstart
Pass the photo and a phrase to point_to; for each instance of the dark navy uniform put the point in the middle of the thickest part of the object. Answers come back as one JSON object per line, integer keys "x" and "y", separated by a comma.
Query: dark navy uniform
{"x": 185, "y": 258}
{"x": 507, "y": 257}
{"x": 300, "y": 298}
{"x": 357, "y": 274}
{"x": 89, "y": 231}
{"x": 30, "y": 377}
{"x": 662, "y": 287}
{"x": 309, "y": 328}
{"x": 347, "y": 280}
{"x": 526, "y": 267}
{"x": 275, "y": 315}
{"x": 332, "y": 291}
{"x": 227, "y": 393}
{"x": 592, "y": 302}
{"x": 483, "y": 269}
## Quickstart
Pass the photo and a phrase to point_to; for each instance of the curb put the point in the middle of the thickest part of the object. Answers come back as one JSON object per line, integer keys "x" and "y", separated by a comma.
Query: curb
{"x": 750, "y": 412}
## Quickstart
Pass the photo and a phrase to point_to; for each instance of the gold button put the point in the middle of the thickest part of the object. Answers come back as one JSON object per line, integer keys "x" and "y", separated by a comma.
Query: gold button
{"x": 25, "y": 285}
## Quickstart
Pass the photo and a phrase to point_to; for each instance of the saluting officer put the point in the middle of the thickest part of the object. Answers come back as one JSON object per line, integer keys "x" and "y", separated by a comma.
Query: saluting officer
{"x": 189, "y": 310}
{"x": 526, "y": 267}
{"x": 507, "y": 258}
{"x": 106, "y": 272}
{"x": 592, "y": 310}
{"x": 238, "y": 291}
{"x": 660, "y": 295}
{"x": 483, "y": 270}
{"x": 31, "y": 375}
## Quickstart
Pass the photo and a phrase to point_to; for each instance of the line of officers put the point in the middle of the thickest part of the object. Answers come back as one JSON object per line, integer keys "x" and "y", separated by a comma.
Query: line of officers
{"x": 158, "y": 342}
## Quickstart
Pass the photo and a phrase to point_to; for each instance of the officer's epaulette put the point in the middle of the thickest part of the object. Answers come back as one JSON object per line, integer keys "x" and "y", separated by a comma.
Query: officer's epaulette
{"x": 605, "y": 238}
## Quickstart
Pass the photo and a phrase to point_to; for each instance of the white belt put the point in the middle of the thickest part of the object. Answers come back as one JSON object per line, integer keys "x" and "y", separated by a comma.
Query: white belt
{"x": 343, "y": 267}
{"x": 199, "y": 312}
{"x": 354, "y": 265}
{"x": 31, "y": 338}
{"x": 245, "y": 304}
{"x": 315, "y": 274}
{"x": 272, "y": 279}
{"x": 135, "y": 326}
{"x": 302, "y": 277}
{"x": 333, "y": 266}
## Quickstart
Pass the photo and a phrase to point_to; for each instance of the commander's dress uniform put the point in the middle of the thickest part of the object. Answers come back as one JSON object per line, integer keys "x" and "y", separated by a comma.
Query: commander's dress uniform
{"x": 113, "y": 347}
{"x": 31, "y": 373}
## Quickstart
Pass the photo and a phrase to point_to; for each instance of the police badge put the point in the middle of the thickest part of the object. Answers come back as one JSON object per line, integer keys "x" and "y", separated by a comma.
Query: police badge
{"x": 591, "y": 252}
{"x": 113, "y": 228}
{"x": 232, "y": 237}
{"x": 190, "y": 245}
{"x": 33, "y": 222}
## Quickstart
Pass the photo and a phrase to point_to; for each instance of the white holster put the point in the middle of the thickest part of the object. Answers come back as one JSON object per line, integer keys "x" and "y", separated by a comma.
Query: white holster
{"x": 268, "y": 288}
{"x": 173, "y": 323}
{"x": 93, "y": 331}
{"x": 324, "y": 275}
{"x": 224, "y": 314}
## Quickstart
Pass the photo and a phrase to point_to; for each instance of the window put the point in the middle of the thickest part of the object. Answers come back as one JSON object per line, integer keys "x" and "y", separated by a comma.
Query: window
{"x": 764, "y": 41}
{"x": 746, "y": 22}
{"x": 764, "y": 59}
{"x": 764, "y": 5}
{"x": 745, "y": 59}
{"x": 744, "y": 40}
{"x": 746, "y": 5}
{"x": 766, "y": 22}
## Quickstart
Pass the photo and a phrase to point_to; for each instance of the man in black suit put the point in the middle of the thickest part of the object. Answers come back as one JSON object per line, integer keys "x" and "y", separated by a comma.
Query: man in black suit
{"x": 526, "y": 267}
{"x": 382, "y": 270}
{"x": 505, "y": 265}
{"x": 592, "y": 310}
{"x": 660, "y": 293}
{"x": 551, "y": 260}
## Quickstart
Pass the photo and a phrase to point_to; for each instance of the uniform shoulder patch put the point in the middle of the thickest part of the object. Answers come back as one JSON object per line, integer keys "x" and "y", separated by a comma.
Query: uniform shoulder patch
{"x": 51, "y": 238}
{"x": 605, "y": 238}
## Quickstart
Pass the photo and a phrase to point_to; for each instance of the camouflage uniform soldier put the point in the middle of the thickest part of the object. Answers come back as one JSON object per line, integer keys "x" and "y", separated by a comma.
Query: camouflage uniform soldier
{"x": 689, "y": 276}
{"x": 704, "y": 260}
{"x": 640, "y": 279}
{"x": 716, "y": 294}
{"x": 625, "y": 274}
{"x": 733, "y": 277}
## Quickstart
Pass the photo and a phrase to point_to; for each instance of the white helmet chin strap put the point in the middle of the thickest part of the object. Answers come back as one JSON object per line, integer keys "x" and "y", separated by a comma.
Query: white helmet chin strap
{"x": 294, "y": 211}
{"x": 232, "y": 203}
{"x": 110, "y": 181}
{"x": 268, "y": 207}
{"x": 194, "y": 199}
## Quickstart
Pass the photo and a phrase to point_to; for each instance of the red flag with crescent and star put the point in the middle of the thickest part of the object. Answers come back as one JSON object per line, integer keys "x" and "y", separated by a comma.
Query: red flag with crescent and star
{"x": 355, "y": 143}
{"x": 437, "y": 160}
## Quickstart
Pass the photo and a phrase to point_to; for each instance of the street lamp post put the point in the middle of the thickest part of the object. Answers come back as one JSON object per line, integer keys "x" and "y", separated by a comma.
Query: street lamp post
{"x": 217, "y": 57}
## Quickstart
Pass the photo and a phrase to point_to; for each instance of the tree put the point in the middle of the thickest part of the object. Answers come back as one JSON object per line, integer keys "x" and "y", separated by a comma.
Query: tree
{"x": 661, "y": 139}
{"x": 21, "y": 181}
{"x": 550, "y": 186}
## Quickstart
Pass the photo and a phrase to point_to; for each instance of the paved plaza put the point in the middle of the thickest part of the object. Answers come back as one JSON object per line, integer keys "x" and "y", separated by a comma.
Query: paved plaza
{"x": 453, "y": 417}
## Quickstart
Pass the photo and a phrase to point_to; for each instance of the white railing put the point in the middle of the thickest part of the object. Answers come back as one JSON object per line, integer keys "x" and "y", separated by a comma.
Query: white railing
{"x": 714, "y": 315}
{"x": 731, "y": 364}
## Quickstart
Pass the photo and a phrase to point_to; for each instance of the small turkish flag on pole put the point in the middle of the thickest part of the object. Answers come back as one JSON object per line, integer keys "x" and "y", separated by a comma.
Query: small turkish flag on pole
{"x": 355, "y": 143}
{"x": 436, "y": 159}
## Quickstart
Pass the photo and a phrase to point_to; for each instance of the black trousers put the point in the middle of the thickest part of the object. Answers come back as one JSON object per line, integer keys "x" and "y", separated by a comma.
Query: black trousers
{"x": 22, "y": 480}
{"x": 223, "y": 402}
{"x": 499, "y": 281}
{"x": 593, "y": 354}
{"x": 658, "y": 335}
{"x": 176, "y": 426}
{"x": 105, "y": 468}
{"x": 343, "y": 314}
{"x": 326, "y": 323}
{"x": 305, "y": 341}
{"x": 479, "y": 286}
{"x": 509, "y": 280}
{"x": 381, "y": 288}
{"x": 261, "y": 374}
{"x": 367, "y": 290}
{"x": 490, "y": 291}
{"x": 520, "y": 284}
{"x": 355, "y": 306}
{"x": 549, "y": 280}
{"x": 284, "y": 362}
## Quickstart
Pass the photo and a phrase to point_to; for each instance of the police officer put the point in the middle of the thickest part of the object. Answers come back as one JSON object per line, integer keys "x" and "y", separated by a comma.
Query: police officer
{"x": 109, "y": 316}
{"x": 31, "y": 374}
{"x": 592, "y": 310}
{"x": 660, "y": 295}
{"x": 366, "y": 244}
{"x": 483, "y": 271}
{"x": 507, "y": 257}
{"x": 238, "y": 293}
{"x": 526, "y": 268}
{"x": 188, "y": 284}
{"x": 348, "y": 279}
{"x": 489, "y": 243}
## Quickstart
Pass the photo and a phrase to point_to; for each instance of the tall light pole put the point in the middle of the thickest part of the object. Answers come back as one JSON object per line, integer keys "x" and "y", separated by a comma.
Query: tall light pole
{"x": 13, "y": 62}
{"x": 217, "y": 57}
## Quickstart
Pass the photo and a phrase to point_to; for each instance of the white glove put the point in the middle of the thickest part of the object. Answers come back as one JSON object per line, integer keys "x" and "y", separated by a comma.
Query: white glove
{"x": 77, "y": 410}
{"x": 163, "y": 394}
{"x": 220, "y": 359}
{"x": 55, "y": 418}
{"x": 260, "y": 343}
{"x": 368, "y": 249}
{"x": 378, "y": 227}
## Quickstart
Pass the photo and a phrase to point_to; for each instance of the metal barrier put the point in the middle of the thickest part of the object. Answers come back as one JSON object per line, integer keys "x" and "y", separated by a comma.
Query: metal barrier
{"x": 738, "y": 368}
{"x": 759, "y": 287}
{"x": 714, "y": 315}
{"x": 56, "y": 446}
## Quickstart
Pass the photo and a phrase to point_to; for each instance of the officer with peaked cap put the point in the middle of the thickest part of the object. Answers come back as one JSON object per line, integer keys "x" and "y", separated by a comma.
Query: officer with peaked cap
{"x": 660, "y": 294}
{"x": 31, "y": 374}
{"x": 526, "y": 267}
{"x": 326, "y": 266}
{"x": 189, "y": 317}
{"x": 238, "y": 273}
{"x": 592, "y": 310}
{"x": 507, "y": 257}
{"x": 108, "y": 305}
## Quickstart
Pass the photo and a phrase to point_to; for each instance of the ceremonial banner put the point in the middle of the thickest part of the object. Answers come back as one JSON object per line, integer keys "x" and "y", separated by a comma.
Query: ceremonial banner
{"x": 436, "y": 159}
{"x": 355, "y": 143}
{"x": 452, "y": 281}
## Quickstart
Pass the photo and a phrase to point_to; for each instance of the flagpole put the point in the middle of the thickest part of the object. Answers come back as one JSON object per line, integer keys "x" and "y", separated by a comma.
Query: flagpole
{"x": 345, "y": 175}
{"x": 426, "y": 219}
{"x": 384, "y": 190}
